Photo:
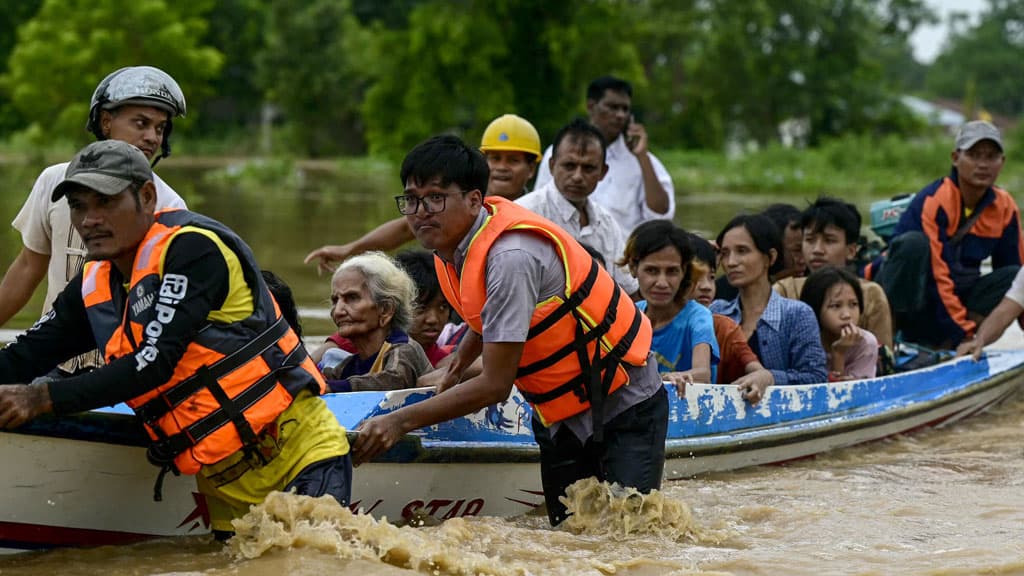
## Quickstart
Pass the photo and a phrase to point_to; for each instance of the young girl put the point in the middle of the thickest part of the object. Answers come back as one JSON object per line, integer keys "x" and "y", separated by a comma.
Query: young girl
{"x": 659, "y": 255}
{"x": 836, "y": 297}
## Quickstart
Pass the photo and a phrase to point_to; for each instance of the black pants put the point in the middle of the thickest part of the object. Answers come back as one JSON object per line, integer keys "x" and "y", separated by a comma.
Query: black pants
{"x": 632, "y": 454}
{"x": 906, "y": 277}
{"x": 331, "y": 476}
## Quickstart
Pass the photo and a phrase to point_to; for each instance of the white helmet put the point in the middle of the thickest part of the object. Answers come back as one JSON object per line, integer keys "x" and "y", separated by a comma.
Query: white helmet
{"x": 142, "y": 85}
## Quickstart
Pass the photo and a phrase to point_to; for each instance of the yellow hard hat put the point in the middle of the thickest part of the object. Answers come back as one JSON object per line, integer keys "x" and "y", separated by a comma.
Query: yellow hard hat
{"x": 511, "y": 133}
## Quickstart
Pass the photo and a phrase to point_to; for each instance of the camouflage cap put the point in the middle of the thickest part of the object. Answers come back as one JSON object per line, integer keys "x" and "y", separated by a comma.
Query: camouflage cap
{"x": 107, "y": 166}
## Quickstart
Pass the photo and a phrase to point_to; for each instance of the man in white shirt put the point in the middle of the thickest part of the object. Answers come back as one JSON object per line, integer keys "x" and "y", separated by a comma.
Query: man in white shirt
{"x": 134, "y": 105}
{"x": 637, "y": 187}
{"x": 578, "y": 165}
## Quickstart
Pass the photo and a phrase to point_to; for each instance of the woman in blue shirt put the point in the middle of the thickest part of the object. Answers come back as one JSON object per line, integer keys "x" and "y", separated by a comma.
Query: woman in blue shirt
{"x": 782, "y": 332}
{"x": 660, "y": 256}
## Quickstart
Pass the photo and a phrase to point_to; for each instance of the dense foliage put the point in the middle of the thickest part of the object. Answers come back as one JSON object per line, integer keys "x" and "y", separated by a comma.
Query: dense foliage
{"x": 329, "y": 77}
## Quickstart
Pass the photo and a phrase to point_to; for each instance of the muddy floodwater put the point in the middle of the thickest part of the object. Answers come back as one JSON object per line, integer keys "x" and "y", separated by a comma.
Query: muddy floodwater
{"x": 948, "y": 501}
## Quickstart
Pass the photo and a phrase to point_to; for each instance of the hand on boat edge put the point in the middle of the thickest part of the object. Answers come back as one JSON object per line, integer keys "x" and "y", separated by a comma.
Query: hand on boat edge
{"x": 376, "y": 436}
{"x": 20, "y": 403}
{"x": 973, "y": 347}
{"x": 679, "y": 380}
{"x": 752, "y": 386}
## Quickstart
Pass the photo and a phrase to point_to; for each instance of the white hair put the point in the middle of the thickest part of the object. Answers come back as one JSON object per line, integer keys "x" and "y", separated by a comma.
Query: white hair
{"x": 389, "y": 285}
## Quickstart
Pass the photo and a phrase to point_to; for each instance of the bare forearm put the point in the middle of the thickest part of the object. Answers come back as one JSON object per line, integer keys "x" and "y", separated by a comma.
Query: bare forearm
{"x": 21, "y": 280}
{"x": 387, "y": 236}
{"x": 655, "y": 194}
{"x": 457, "y": 401}
{"x": 998, "y": 321}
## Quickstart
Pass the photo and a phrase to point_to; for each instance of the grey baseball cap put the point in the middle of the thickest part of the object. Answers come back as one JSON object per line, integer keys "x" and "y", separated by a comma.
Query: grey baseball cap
{"x": 975, "y": 131}
{"x": 107, "y": 166}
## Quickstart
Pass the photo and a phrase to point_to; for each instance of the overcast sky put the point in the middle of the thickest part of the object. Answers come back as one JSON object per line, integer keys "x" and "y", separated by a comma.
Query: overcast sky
{"x": 928, "y": 40}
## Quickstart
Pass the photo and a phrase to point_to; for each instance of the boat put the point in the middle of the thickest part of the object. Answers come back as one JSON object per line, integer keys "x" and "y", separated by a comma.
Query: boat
{"x": 83, "y": 480}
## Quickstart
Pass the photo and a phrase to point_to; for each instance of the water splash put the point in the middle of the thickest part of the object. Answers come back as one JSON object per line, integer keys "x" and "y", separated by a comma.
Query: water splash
{"x": 624, "y": 539}
{"x": 600, "y": 509}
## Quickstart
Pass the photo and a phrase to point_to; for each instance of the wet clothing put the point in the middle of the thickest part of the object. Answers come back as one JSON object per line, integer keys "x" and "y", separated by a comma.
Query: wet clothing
{"x": 787, "y": 339}
{"x": 674, "y": 342}
{"x": 937, "y": 212}
{"x": 633, "y": 453}
{"x": 522, "y": 272}
{"x": 301, "y": 449}
{"x": 622, "y": 190}
{"x": 734, "y": 350}
{"x": 46, "y": 228}
{"x": 397, "y": 365}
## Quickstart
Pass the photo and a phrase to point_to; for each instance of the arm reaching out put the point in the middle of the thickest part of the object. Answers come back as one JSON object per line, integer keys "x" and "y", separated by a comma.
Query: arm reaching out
{"x": 387, "y": 236}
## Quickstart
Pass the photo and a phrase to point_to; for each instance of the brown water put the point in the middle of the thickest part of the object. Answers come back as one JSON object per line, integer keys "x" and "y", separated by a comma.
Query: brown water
{"x": 942, "y": 502}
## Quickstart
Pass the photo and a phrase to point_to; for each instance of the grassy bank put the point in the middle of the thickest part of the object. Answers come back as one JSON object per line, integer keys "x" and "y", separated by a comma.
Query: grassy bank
{"x": 851, "y": 166}
{"x": 857, "y": 166}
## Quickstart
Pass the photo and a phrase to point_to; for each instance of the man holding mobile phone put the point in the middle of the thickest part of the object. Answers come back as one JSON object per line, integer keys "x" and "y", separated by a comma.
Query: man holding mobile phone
{"x": 637, "y": 187}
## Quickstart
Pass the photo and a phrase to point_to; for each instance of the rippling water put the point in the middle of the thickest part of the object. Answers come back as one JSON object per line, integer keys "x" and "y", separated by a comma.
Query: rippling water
{"x": 942, "y": 502}
{"x": 948, "y": 501}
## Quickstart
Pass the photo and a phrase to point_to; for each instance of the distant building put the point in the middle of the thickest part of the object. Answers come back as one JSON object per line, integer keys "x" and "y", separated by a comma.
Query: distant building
{"x": 936, "y": 114}
{"x": 949, "y": 114}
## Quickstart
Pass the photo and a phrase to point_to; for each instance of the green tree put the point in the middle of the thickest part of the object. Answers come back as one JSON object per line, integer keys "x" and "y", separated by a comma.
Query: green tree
{"x": 70, "y": 45}
{"x": 991, "y": 55}
{"x": 456, "y": 66}
{"x": 752, "y": 65}
{"x": 311, "y": 68}
{"x": 237, "y": 29}
{"x": 10, "y": 19}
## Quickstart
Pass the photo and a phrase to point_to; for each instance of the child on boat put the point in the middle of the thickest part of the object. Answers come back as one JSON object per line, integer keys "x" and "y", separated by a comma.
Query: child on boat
{"x": 836, "y": 297}
{"x": 432, "y": 310}
{"x": 659, "y": 255}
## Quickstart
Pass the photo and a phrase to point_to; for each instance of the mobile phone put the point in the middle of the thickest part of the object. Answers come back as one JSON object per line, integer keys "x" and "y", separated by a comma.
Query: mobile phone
{"x": 630, "y": 140}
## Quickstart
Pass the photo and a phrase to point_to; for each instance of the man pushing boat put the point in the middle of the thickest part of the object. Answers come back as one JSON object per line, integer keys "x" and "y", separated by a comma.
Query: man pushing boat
{"x": 545, "y": 317}
{"x": 193, "y": 342}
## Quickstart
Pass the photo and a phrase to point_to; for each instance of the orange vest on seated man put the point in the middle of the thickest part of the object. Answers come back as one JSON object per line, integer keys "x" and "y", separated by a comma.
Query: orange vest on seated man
{"x": 555, "y": 373}
{"x": 234, "y": 378}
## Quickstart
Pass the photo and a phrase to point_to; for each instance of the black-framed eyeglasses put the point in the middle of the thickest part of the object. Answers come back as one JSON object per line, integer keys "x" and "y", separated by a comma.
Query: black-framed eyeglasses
{"x": 409, "y": 204}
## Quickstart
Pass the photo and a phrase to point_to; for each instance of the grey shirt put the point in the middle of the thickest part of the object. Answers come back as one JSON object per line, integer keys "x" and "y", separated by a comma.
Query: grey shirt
{"x": 523, "y": 270}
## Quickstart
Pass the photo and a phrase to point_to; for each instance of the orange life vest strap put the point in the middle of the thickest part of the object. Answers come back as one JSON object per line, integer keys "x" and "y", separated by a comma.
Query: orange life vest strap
{"x": 570, "y": 304}
{"x": 230, "y": 411}
{"x": 163, "y": 403}
{"x": 589, "y": 385}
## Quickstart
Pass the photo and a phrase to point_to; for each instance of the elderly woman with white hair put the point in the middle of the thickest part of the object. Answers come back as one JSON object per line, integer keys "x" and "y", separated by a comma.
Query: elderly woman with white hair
{"x": 372, "y": 304}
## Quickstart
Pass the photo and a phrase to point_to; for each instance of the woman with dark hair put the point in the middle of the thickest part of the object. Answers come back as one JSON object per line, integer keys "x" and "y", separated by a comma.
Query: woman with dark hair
{"x": 658, "y": 253}
{"x": 836, "y": 297}
{"x": 782, "y": 332}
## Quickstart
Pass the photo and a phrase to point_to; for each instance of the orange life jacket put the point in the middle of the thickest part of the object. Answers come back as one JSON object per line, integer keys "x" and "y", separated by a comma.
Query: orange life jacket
{"x": 233, "y": 379}
{"x": 562, "y": 371}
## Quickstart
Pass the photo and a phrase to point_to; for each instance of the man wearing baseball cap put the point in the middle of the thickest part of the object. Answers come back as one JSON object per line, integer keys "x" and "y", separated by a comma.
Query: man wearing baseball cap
{"x": 193, "y": 342}
{"x": 933, "y": 271}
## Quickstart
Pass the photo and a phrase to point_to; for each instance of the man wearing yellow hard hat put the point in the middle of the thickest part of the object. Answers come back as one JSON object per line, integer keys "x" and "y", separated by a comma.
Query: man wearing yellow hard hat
{"x": 511, "y": 146}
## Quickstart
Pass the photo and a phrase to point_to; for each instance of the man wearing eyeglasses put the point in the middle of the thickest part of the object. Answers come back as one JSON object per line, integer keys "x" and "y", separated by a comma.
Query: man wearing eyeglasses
{"x": 932, "y": 275}
{"x": 537, "y": 303}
